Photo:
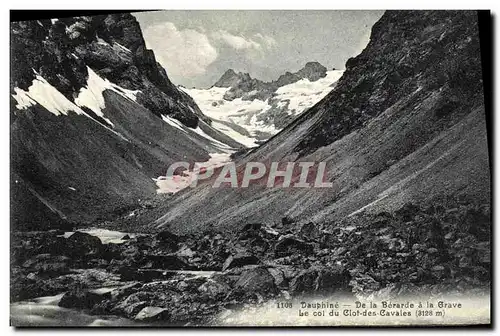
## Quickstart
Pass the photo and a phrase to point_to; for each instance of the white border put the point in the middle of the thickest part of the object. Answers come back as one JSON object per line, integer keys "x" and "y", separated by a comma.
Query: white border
{"x": 201, "y": 4}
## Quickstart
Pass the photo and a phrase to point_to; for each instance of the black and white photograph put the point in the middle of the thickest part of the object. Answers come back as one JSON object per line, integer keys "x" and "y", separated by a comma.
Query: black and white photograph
{"x": 250, "y": 168}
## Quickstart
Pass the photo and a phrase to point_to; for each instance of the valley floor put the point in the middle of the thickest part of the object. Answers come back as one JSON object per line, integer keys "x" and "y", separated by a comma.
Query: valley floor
{"x": 104, "y": 277}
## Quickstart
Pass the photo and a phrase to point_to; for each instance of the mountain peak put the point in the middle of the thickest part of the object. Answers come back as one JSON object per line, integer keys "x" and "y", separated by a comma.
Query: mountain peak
{"x": 230, "y": 78}
{"x": 312, "y": 71}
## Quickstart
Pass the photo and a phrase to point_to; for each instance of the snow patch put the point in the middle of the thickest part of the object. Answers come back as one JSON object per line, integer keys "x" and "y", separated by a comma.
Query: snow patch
{"x": 215, "y": 142}
{"x": 303, "y": 94}
{"x": 91, "y": 95}
{"x": 122, "y": 47}
{"x": 187, "y": 130}
{"x": 46, "y": 95}
{"x": 174, "y": 123}
{"x": 43, "y": 93}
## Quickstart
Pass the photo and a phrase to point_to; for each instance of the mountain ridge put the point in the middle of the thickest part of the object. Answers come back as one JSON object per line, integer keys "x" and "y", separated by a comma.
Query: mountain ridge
{"x": 251, "y": 110}
{"x": 94, "y": 119}
{"x": 404, "y": 123}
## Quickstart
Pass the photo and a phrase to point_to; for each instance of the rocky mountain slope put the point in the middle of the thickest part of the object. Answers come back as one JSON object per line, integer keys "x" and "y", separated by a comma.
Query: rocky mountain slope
{"x": 251, "y": 111}
{"x": 93, "y": 119}
{"x": 405, "y": 123}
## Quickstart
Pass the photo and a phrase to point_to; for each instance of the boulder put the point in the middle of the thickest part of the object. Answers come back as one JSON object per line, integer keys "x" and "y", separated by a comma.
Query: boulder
{"x": 279, "y": 276}
{"x": 331, "y": 280}
{"x": 132, "y": 304}
{"x": 289, "y": 244}
{"x": 214, "y": 289}
{"x": 46, "y": 264}
{"x": 286, "y": 221}
{"x": 81, "y": 244}
{"x": 167, "y": 241}
{"x": 149, "y": 314}
{"x": 167, "y": 262}
{"x": 251, "y": 227}
{"x": 82, "y": 299}
{"x": 310, "y": 231}
{"x": 304, "y": 282}
{"x": 240, "y": 260}
{"x": 251, "y": 230}
{"x": 256, "y": 281}
{"x": 324, "y": 280}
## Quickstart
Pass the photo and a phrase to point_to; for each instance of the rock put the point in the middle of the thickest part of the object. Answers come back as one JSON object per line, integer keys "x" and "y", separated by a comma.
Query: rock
{"x": 126, "y": 290}
{"x": 289, "y": 245}
{"x": 279, "y": 277}
{"x": 252, "y": 230}
{"x": 39, "y": 243}
{"x": 186, "y": 252}
{"x": 149, "y": 314}
{"x": 438, "y": 268}
{"x": 132, "y": 304}
{"x": 81, "y": 244}
{"x": 331, "y": 280}
{"x": 328, "y": 239}
{"x": 321, "y": 280}
{"x": 309, "y": 231}
{"x": 143, "y": 275}
{"x": 167, "y": 240}
{"x": 304, "y": 282}
{"x": 133, "y": 309}
{"x": 47, "y": 264}
{"x": 82, "y": 299}
{"x": 287, "y": 220}
{"x": 167, "y": 262}
{"x": 167, "y": 236}
{"x": 339, "y": 251}
{"x": 256, "y": 281}
{"x": 239, "y": 260}
{"x": 418, "y": 247}
{"x": 214, "y": 289}
{"x": 251, "y": 227}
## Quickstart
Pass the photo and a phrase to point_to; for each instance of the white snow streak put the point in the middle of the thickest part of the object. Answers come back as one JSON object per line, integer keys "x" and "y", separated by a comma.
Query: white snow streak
{"x": 174, "y": 123}
{"x": 92, "y": 96}
{"x": 43, "y": 93}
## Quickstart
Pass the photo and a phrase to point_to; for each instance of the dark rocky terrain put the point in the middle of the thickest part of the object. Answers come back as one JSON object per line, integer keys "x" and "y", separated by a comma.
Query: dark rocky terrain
{"x": 80, "y": 167}
{"x": 424, "y": 250}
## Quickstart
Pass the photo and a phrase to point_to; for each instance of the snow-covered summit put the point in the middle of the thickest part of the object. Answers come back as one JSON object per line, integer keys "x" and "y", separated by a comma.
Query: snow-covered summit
{"x": 251, "y": 121}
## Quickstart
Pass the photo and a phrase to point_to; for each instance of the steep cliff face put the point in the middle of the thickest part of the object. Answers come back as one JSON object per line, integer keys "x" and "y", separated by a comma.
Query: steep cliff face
{"x": 111, "y": 45}
{"x": 405, "y": 123}
{"x": 94, "y": 119}
{"x": 410, "y": 54}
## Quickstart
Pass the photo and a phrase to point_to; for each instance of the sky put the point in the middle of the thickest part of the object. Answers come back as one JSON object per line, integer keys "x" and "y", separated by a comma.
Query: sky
{"x": 197, "y": 47}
